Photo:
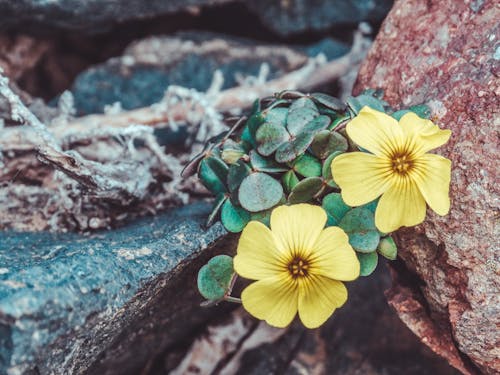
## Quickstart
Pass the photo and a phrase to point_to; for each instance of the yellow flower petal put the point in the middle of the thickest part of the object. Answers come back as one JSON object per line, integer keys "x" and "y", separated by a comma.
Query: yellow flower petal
{"x": 376, "y": 132}
{"x": 333, "y": 257}
{"x": 432, "y": 175}
{"x": 401, "y": 205}
{"x": 318, "y": 298}
{"x": 257, "y": 256}
{"x": 274, "y": 300}
{"x": 422, "y": 135}
{"x": 362, "y": 177}
{"x": 297, "y": 227}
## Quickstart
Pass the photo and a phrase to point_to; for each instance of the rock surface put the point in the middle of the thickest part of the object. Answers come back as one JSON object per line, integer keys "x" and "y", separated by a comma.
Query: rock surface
{"x": 94, "y": 16}
{"x": 447, "y": 54}
{"x": 141, "y": 75}
{"x": 102, "y": 303}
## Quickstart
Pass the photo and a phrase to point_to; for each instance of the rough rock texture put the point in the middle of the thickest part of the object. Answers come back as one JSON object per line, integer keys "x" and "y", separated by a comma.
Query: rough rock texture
{"x": 94, "y": 16}
{"x": 189, "y": 59}
{"x": 446, "y": 53}
{"x": 364, "y": 337}
{"x": 106, "y": 302}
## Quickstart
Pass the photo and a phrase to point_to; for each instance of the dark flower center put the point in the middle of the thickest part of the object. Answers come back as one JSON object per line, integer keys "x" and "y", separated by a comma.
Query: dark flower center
{"x": 402, "y": 163}
{"x": 298, "y": 267}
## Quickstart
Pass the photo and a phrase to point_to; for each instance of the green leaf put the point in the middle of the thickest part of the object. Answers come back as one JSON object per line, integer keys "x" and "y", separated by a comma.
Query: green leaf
{"x": 338, "y": 121}
{"x": 262, "y": 164}
{"x": 219, "y": 201}
{"x": 372, "y": 206}
{"x": 301, "y": 112}
{"x": 232, "y": 151}
{"x": 259, "y": 192}
{"x": 327, "y": 169}
{"x": 328, "y": 101}
{"x": 335, "y": 208}
{"x": 368, "y": 263}
{"x": 317, "y": 124}
{"x": 305, "y": 190}
{"x": 421, "y": 110}
{"x": 326, "y": 142}
{"x": 277, "y": 116}
{"x": 387, "y": 248}
{"x": 215, "y": 277}
{"x": 291, "y": 150}
{"x": 237, "y": 172}
{"x": 263, "y": 216}
{"x": 234, "y": 218}
{"x": 398, "y": 114}
{"x": 359, "y": 224}
{"x": 307, "y": 166}
{"x": 289, "y": 180}
{"x": 253, "y": 123}
{"x": 358, "y": 102}
{"x": 213, "y": 174}
{"x": 269, "y": 137}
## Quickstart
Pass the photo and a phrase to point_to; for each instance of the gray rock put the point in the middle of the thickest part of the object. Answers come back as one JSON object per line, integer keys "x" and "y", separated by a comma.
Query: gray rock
{"x": 94, "y": 16}
{"x": 141, "y": 75}
{"x": 296, "y": 16}
{"x": 102, "y": 303}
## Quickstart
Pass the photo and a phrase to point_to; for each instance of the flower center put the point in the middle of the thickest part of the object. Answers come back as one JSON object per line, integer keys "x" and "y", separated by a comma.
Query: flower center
{"x": 401, "y": 163}
{"x": 298, "y": 267}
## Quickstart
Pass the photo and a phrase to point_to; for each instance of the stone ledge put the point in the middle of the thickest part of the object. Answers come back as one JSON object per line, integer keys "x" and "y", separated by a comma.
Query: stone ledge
{"x": 84, "y": 303}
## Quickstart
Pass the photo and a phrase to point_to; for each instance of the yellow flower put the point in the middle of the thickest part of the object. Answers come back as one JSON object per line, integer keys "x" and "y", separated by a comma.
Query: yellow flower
{"x": 398, "y": 168}
{"x": 297, "y": 264}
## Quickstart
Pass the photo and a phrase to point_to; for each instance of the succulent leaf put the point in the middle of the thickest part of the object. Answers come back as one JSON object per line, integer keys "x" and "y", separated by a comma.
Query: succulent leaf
{"x": 358, "y": 102}
{"x": 328, "y": 101}
{"x": 277, "y": 116}
{"x": 232, "y": 151}
{"x": 307, "y": 166}
{"x": 213, "y": 174}
{"x": 326, "y": 142}
{"x": 288, "y": 151}
{"x": 259, "y": 192}
{"x": 237, "y": 172}
{"x": 219, "y": 201}
{"x": 317, "y": 124}
{"x": 305, "y": 190}
{"x": 234, "y": 218}
{"x": 359, "y": 224}
{"x": 289, "y": 180}
{"x": 387, "y": 248}
{"x": 368, "y": 263}
{"x": 269, "y": 137}
{"x": 214, "y": 278}
{"x": 262, "y": 164}
{"x": 335, "y": 208}
{"x": 327, "y": 169}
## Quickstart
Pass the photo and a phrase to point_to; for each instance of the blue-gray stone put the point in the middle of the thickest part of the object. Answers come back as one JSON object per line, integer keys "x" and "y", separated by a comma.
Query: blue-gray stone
{"x": 102, "y": 303}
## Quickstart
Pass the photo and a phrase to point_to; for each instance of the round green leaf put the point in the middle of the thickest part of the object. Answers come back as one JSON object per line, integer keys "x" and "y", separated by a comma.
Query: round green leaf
{"x": 335, "y": 208}
{"x": 259, "y": 192}
{"x": 368, "y": 263}
{"x": 305, "y": 190}
{"x": 303, "y": 102}
{"x": 277, "y": 116}
{"x": 253, "y": 123}
{"x": 328, "y": 101}
{"x": 327, "y": 169}
{"x": 269, "y": 137}
{"x": 372, "y": 206}
{"x": 213, "y": 174}
{"x": 398, "y": 114}
{"x": 327, "y": 142}
{"x": 359, "y": 224}
{"x": 421, "y": 110}
{"x": 215, "y": 276}
{"x": 237, "y": 172}
{"x": 291, "y": 150}
{"x": 307, "y": 166}
{"x": 338, "y": 121}
{"x": 387, "y": 248}
{"x": 357, "y": 103}
{"x": 263, "y": 164}
{"x": 234, "y": 218}
{"x": 317, "y": 124}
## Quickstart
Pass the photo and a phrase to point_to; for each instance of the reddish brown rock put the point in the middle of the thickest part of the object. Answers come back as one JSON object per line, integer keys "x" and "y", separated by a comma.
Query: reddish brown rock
{"x": 446, "y": 54}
